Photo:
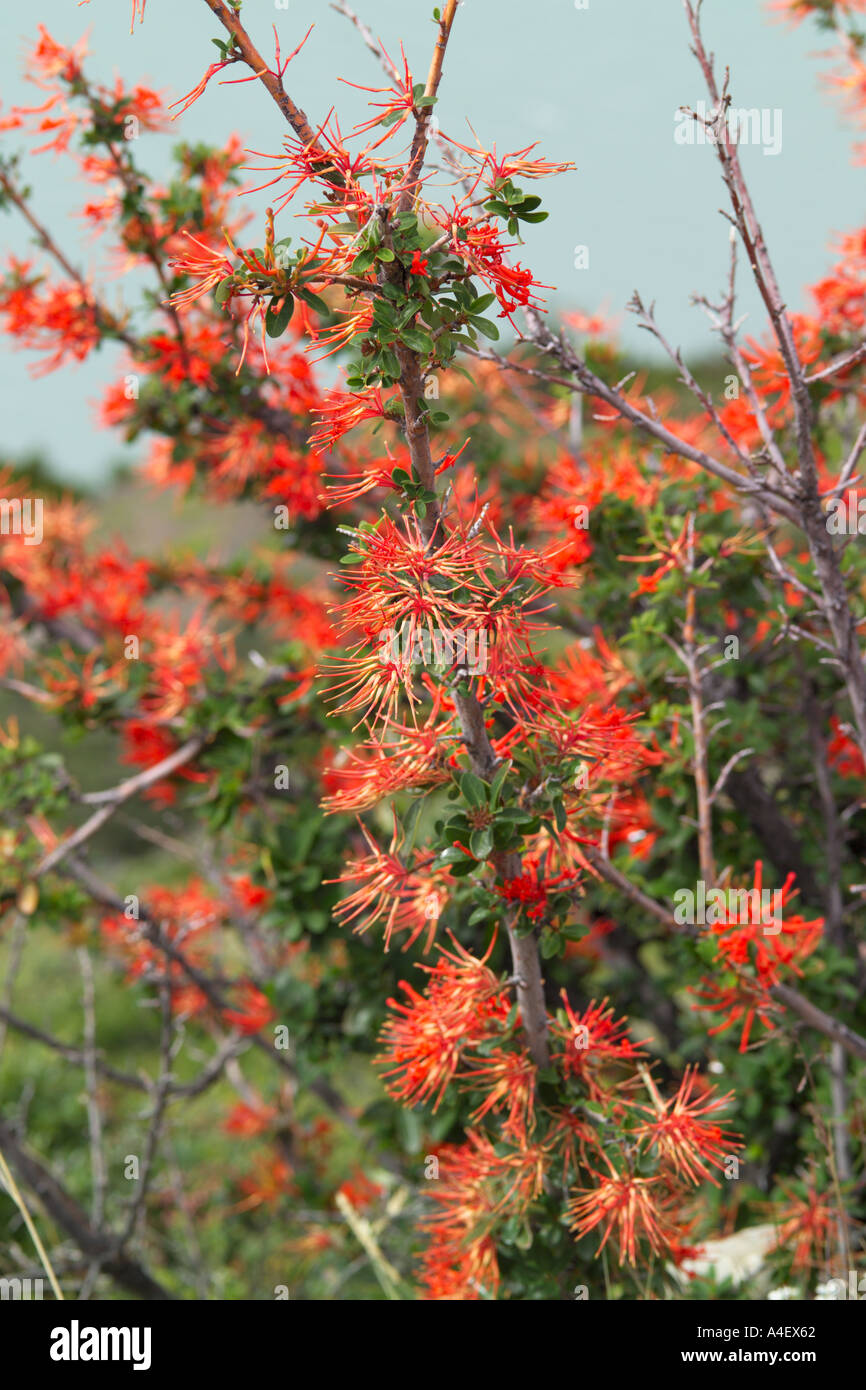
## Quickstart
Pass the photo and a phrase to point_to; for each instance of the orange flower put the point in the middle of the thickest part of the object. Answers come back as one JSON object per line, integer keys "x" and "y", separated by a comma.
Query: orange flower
{"x": 476, "y": 1187}
{"x": 509, "y": 1079}
{"x": 341, "y": 411}
{"x": 593, "y": 1041}
{"x": 379, "y": 767}
{"x": 359, "y": 1190}
{"x": 681, "y": 1135}
{"x": 403, "y": 896}
{"x": 424, "y": 1040}
{"x": 249, "y": 1120}
{"x": 271, "y": 1179}
{"x": 631, "y": 1208}
{"x": 806, "y": 1223}
{"x": 254, "y": 1011}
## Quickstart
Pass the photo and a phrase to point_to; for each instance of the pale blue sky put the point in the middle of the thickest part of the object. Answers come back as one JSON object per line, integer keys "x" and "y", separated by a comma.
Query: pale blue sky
{"x": 599, "y": 86}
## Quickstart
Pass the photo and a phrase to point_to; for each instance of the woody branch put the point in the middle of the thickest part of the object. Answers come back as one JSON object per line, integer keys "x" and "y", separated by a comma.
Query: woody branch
{"x": 806, "y": 492}
{"x": 524, "y": 950}
{"x": 808, "y": 1012}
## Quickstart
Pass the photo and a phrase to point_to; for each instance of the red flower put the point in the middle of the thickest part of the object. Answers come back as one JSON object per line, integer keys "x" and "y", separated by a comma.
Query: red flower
{"x": 843, "y": 753}
{"x": 480, "y": 246}
{"x": 271, "y": 1179}
{"x": 424, "y": 1040}
{"x": 478, "y": 1186}
{"x": 253, "y": 1012}
{"x": 404, "y": 896}
{"x": 58, "y": 319}
{"x": 359, "y": 1190}
{"x": 250, "y": 895}
{"x": 531, "y": 890}
{"x": 632, "y": 1208}
{"x": 249, "y": 1120}
{"x": 593, "y": 1040}
{"x": 760, "y": 950}
{"x": 805, "y": 1223}
{"x": 681, "y": 1135}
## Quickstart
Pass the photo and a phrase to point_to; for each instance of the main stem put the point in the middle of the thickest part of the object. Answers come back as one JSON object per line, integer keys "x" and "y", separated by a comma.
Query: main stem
{"x": 524, "y": 951}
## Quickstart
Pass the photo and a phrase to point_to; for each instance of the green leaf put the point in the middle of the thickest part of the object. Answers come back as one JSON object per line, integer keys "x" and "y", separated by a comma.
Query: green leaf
{"x": 224, "y": 289}
{"x": 485, "y": 326}
{"x": 314, "y": 300}
{"x": 392, "y": 363}
{"x": 453, "y": 855}
{"x": 278, "y": 320}
{"x": 409, "y": 312}
{"x": 363, "y": 262}
{"x": 473, "y": 789}
{"x": 417, "y": 340}
{"x": 483, "y": 302}
{"x": 462, "y": 869}
{"x": 410, "y": 821}
{"x": 481, "y": 842}
{"x": 523, "y": 1239}
{"x": 498, "y": 782}
{"x": 550, "y": 944}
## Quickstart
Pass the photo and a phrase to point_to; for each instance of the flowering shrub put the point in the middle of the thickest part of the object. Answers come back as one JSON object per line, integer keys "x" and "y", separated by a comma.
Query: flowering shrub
{"x": 410, "y": 938}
